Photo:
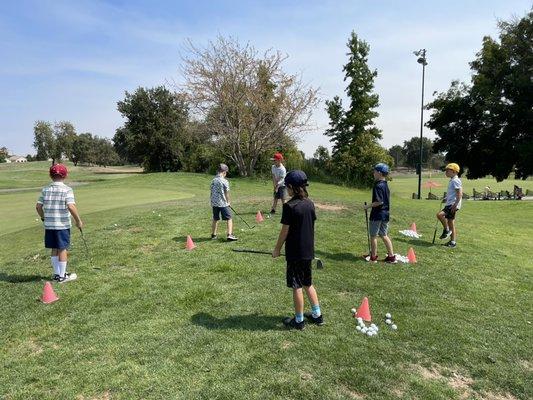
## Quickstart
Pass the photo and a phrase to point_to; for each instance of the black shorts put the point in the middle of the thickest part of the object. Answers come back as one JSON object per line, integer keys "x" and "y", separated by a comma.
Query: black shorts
{"x": 281, "y": 193}
{"x": 299, "y": 274}
{"x": 224, "y": 211}
{"x": 448, "y": 213}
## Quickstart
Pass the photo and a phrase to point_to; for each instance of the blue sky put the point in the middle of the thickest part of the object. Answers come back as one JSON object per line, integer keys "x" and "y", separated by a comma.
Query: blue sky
{"x": 73, "y": 60}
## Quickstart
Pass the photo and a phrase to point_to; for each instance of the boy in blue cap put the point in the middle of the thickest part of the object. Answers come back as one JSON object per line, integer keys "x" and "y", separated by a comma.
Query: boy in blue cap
{"x": 298, "y": 232}
{"x": 379, "y": 215}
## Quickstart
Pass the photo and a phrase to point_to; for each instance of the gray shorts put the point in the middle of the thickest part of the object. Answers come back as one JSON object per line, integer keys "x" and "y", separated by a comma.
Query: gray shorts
{"x": 378, "y": 228}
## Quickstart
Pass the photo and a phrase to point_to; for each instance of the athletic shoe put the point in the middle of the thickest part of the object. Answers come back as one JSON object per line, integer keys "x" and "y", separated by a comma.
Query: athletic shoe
{"x": 390, "y": 259}
{"x": 272, "y": 211}
{"x": 451, "y": 244}
{"x": 315, "y": 320}
{"x": 232, "y": 238}
{"x": 55, "y": 277}
{"x": 292, "y": 324}
{"x": 445, "y": 234}
{"x": 214, "y": 237}
{"x": 68, "y": 278}
{"x": 371, "y": 258}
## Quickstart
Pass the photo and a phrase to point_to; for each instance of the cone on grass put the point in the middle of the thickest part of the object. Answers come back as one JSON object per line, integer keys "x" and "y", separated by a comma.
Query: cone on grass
{"x": 49, "y": 296}
{"x": 259, "y": 217}
{"x": 413, "y": 227}
{"x": 190, "y": 244}
{"x": 411, "y": 256}
{"x": 364, "y": 311}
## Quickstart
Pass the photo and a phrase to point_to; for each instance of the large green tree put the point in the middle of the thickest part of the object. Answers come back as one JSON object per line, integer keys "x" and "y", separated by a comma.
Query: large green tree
{"x": 487, "y": 126}
{"x": 4, "y": 154}
{"x": 352, "y": 130}
{"x": 411, "y": 151}
{"x": 43, "y": 140}
{"x": 65, "y": 134}
{"x": 155, "y": 129}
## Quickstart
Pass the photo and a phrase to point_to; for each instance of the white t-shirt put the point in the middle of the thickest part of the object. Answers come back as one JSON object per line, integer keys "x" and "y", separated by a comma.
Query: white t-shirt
{"x": 278, "y": 173}
{"x": 451, "y": 194}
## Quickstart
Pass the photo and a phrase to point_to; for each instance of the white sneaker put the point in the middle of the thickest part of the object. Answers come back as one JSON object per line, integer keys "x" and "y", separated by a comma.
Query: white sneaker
{"x": 68, "y": 277}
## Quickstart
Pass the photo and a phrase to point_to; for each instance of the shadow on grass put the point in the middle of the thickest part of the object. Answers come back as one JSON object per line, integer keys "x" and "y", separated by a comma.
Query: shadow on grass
{"x": 251, "y": 322}
{"x": 415, "y": 242}
{"x": 183, "y": 239}
{"x": 21, "y": 278}
{"x": 339, "y": 256}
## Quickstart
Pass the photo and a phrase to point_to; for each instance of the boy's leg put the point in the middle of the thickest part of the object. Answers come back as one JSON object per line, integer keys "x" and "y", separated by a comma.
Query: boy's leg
{"x": 214, "y": 226}
{"x": 374, "y": 245}
{"x": 54, "y": 260}
{"x": 313, "y": 299}
{"x": 62, "y": 256}
{"x": 442, "y": 219}
{"x": 451, "y": 224}
{"x": 230, "y": 227}
{"x": 298, "y": 298}
{"x": 388, "y": 245}
{"x": 274, "y": 204}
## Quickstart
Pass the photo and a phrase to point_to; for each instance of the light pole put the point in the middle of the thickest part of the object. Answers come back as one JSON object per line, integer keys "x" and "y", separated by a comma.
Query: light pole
{"x": 421, "y": 54}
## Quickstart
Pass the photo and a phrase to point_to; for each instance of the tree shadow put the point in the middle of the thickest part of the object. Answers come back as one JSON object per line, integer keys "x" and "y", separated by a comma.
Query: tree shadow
{"x": 183, "y": 239}
{"x": 21, "y": 278}
{"x": 251, "y": 322}
{"x": 415, "y": 242}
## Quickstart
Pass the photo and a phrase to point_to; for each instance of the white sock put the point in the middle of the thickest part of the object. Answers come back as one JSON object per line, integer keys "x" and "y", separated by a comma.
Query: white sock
{"x": 62, "y": 268}
{"x": 54, "y": 260}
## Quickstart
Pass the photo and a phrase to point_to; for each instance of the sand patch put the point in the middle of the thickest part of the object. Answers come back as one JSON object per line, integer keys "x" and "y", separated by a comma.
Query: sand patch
{"x": 330, "y": 207}
{"x": 104, "y": 396}
{"x": 147, "y": 248}
{"x": 497, "y": 396}
{"x": 305, "y": 376}
{"x": 136, "y": 229}
{"x": 351, "y": 394}
{"x": 461, "y": 383}
{"x": 286, "y": 345}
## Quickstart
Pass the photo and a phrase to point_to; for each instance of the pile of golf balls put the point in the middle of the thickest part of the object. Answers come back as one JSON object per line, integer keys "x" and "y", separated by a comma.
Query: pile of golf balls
{"x": 371, "y": 330}
{"x": 402, "y": 259}
{"x": 410, "y": 233}
{"x": 389, "y": 321}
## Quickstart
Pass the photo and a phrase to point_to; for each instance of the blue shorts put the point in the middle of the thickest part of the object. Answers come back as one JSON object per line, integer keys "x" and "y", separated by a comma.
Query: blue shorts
{"x": 57, "y": 239}
{"x": 225, "y": 211}
{"x": 379, "y": 228}
{"x": 281, "y": 193}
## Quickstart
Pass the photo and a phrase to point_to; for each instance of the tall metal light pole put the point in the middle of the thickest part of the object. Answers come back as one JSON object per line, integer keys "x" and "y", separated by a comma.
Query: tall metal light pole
{"x": 421, "y": 54}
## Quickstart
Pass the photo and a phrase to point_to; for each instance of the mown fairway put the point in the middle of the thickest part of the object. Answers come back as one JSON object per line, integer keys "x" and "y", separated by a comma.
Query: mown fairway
{"x": 148, "y": 319}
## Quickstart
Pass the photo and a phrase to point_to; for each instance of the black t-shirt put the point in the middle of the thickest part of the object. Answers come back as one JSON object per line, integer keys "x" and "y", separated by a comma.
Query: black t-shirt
{"x": 300, "y": 215}
{"x": 380, "y": 193}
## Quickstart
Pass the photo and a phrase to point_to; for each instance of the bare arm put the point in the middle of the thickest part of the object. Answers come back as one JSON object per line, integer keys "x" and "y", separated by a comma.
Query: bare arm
{"x": 74, "y": 212}
{"x": 39, "y": 209}
{"x": 226, "y": 195}
{"x": 458, "y": 197}
{"x": 371, "y": 205}
{"x": 281, "y": 239}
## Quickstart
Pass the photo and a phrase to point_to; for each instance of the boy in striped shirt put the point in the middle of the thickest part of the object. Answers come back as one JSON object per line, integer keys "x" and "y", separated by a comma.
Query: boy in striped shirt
{"x": 55, "y": 206}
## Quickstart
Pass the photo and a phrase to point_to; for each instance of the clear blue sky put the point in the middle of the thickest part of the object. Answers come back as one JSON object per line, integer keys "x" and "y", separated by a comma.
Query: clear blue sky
{"x": 73, "y": 60}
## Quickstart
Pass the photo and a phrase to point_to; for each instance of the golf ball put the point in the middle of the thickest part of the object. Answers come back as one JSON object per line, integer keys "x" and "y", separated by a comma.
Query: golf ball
{"x": 388, "y": 316}
{"x": 158, "y": 215}
{"x": 242, "y": 230}
{"x": 353, "y": 310}
{"x": 116, "y": 224}
{"x": 388, "y": 321}
{"x": 369, "y": 333}
{"x": 358, "y": 328}
{"x": 364, "y": 329}
{"x": 373, "y": 326}
{"x": 359, "y": 319}
{"x": 394, "y": 327}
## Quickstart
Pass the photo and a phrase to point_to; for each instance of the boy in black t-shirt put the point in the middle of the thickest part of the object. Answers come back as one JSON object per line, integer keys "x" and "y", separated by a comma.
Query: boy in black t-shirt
{"x": 298, "y": 233}
{"x": 379, "y": 215}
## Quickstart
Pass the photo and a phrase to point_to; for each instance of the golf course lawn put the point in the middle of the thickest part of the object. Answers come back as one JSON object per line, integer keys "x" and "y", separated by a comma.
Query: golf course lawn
{"x": 147, "y": 319}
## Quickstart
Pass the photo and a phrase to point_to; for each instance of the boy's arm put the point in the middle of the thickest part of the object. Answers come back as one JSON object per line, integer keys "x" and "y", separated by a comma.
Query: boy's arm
{"x": 371, "y": 205}
{"x": 458, "y": 197}
{"x": 226, "y": 195}
{"x": 39, "y": 209}
{"x": 74, "y": 211}
{"x": 281, "y": 239}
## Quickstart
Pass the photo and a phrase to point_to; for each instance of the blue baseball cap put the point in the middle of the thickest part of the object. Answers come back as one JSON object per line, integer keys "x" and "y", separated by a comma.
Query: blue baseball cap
{"x": 296, "y": 178}
{"x": 382, "y": 168}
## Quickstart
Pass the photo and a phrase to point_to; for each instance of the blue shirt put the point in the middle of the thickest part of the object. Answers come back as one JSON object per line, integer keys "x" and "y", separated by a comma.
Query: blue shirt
{"x": 380, "y": 193}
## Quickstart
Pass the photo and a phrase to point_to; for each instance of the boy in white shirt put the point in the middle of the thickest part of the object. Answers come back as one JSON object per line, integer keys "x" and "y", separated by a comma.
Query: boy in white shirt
{"x": 454, "y": 197}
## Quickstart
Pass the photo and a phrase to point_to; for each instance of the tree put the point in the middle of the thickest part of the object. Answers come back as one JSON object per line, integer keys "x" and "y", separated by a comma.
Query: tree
{"x": 82, "y": 149}
{"x": 154, "y": 132}
{"x": 104, "y": 153}
{"x": 65, "y": 135}
{"x": 352, "y": 131}
{"x": 322, "y": 157}
{"x": 247, "y": 101}
{"x": 397, "y": 154}
{"x": 486, "y": 126}
{"x": 4, "y": 154}
{"x": 411, "y": 150}
{"x": 43, "y": 141}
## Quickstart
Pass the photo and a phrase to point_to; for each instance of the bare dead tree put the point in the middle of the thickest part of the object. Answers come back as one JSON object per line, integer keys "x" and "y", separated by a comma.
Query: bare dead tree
{"x": 248, "y": 102}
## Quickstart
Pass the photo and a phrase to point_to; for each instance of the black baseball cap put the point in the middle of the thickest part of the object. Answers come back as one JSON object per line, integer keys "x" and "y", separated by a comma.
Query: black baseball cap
{"x": 296, "y": 178}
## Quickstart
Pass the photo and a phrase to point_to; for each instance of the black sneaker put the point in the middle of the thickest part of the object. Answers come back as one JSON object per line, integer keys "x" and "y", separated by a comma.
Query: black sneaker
{"x": 445, "y": 234}
{"x": 232, "y": 238}
{"x": 55, "y": 277}
{"x": 451, "y": 244}
{"x": 292, "y": 324}
{"x": 315, "y": 320}
{"x": 213, "y": 237}
{"x": 272, "y": 211}
{"x": 68, "y": 277}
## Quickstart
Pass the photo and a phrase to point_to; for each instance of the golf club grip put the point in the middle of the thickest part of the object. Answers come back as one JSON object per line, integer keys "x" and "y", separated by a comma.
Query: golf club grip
{"x": 254, "y": 251}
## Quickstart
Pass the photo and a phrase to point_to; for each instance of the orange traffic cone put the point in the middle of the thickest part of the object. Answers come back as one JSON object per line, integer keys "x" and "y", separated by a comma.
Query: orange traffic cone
{"x": 259, "y": 217}
{"x": 411, "y": 256}
{"x": 364, "y": 310}
{"x": 49, "y": 296}
{"x": 413, "y": 227}
{"x": 190, "y": 244}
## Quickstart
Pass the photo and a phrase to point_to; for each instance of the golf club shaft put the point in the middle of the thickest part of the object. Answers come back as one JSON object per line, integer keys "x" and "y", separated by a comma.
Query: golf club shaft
{"x": 367, "y": 230}
{"x": 239, "y": 215}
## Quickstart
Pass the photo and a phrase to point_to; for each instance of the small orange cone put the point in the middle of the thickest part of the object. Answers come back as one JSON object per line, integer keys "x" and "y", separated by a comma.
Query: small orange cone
{"x": 364, "y": 311}
{"x": 49, "y": 296}
{"x": 411, "y": 256}
{"x": 259, "y": 217}
{"x": 190, "y": 244}
{"x": 413, "y": 227}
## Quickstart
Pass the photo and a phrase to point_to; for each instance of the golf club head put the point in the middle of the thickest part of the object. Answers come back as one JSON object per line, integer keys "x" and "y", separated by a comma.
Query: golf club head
{"x": 319, "y": 264}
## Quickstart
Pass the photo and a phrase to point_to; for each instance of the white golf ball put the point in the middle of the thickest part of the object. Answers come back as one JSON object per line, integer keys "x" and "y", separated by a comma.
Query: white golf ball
{"x": 364, "y": 329}
{"x": 353, "y": 310}
{"x": 158, "y": 215}
{"x": 116, "y": 224}
{"x": 358, "y": 328}
{"x": 373, "y": 326}
{"x": 388, "y": 316}
{"x": 393, "y": 327}
{"x": 242, "y": 230}
{"x": 369, "y": 333}
{"x": 268, "y": 216}
{"x": 388, "y": 321}
{"x": 359, "y": 319}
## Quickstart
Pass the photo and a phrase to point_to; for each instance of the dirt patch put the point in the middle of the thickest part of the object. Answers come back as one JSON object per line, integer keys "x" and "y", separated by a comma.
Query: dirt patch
{"x": 136, "y": 229}
{"x": 147, "y": 248}
{"x": 351, "y": 394}
{"x": 109, "y": 170}
{"x": 104, "y": 396}
{"x": 305, "y": 376}
{"x": 398, "y": 393}
{"x": 330, "y": 207}
{"x": 497, "y": 396}
{"x": 431, "y": 373}
{"x": 34, "y": 347}
{"x": 461, "y": 383}
{"x": 526, "y": 365}
{"x": 286, "y": 345}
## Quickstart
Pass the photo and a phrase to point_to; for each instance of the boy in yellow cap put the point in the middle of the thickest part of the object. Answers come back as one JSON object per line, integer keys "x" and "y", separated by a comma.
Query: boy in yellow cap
{"x": 454, "y": 197}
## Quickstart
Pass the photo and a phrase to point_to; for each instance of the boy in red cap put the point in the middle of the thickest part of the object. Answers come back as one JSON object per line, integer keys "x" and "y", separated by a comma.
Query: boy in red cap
{"x": 55, "y": 205}
{"x": 278, "y": 180}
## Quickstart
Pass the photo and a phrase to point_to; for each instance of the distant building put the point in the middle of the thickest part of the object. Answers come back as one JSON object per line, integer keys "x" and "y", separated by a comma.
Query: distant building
{"x": 16, "y": 159}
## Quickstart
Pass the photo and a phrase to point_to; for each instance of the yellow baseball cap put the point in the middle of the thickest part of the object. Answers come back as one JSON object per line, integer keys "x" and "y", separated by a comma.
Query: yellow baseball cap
{"x": 453, "y": 167}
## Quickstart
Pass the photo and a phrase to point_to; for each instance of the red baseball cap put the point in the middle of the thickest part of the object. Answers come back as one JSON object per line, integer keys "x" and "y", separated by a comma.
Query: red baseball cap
{"x": 277, "y": 157}
{"x": 59, "y": 171}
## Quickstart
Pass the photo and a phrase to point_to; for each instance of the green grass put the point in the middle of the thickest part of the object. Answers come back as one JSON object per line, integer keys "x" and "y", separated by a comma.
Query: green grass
{"x": 147, "y": 319}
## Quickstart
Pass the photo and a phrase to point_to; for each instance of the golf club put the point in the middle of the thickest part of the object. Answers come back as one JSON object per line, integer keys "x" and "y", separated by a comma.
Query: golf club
{"x": 243, "y": 220}
{"x": 319, "y": 262}
{"x": 436, "y": 226}
{"x": 86, "y": 246}
{"x": 367, "y": 230}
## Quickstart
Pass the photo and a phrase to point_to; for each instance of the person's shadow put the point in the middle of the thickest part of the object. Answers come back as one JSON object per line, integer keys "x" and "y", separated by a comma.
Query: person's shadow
{"x": 415, "y": 242}
{"x": 251, "y": 322}
{"x": 338, "y": 256}
{"x": 21, "y": 278}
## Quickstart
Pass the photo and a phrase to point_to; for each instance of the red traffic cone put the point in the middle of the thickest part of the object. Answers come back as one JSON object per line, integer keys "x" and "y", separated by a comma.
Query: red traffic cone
{"x": 413, "y": 227}
{"x": 49, "y": 296}
{"x": 190, "y": 244}
{"x": 364, "y": 311}
{"x": 259, "y": 217}
{"x": 411, "y": 256}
